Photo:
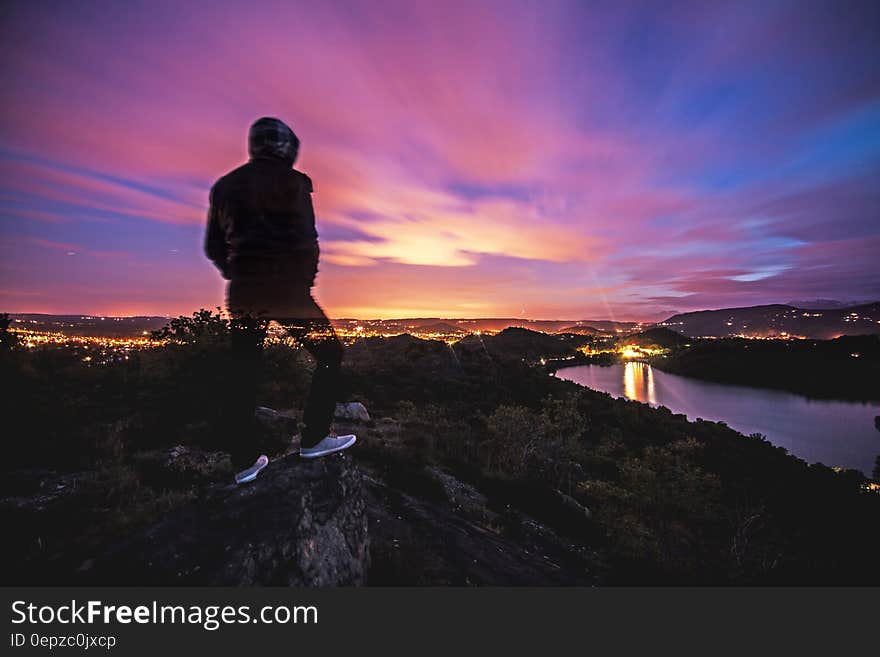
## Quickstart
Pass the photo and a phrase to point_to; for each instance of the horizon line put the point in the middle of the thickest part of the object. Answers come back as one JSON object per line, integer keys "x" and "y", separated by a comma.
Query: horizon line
{"x": 458, "y": 318}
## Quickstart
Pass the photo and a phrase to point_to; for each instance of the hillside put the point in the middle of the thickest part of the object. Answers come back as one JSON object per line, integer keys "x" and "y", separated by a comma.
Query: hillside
{"x": 844, "y": 368}
{"x": 657, "y": 337}
{"x": 472, "y": 468}
{"x": 776, "y": 320}
{"x": 517, "y": 344}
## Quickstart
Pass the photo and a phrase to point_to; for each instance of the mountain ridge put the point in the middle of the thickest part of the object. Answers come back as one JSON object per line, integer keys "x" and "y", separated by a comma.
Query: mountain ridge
{"x": 778, "y": 320}
{"x": 764, "y": 320}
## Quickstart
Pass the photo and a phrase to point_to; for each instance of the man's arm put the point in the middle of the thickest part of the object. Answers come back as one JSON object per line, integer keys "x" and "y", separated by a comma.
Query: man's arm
{"x": 306, "y": 210}
{"x": 215, "y": 239}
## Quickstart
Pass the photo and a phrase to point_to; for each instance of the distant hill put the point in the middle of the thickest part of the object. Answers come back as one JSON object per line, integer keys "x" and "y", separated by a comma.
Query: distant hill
{"x": 516, "y": 344}
{"x": 544, "y": 325}
{"x": 823, "y": 304}
{"x": 610, "y": 326}
{"x": 660, "y": 336}
{"x": 441, "y": 327}
{"x": 582, "y": 330}
{"x": 471, "y": 325}
{"x": 778, "y": 319}
{"x": 90, "y": 325}
{"x": 107, "y": 326}
{"x": 847, "y": 367}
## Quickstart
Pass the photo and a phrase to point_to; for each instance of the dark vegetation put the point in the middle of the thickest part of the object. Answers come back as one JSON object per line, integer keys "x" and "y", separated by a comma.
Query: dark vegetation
{"x": 672, "y": 501}
{"x": 847, "y": 367}
{"x": 519, "y": 343}
{"x": 659, "y": 337}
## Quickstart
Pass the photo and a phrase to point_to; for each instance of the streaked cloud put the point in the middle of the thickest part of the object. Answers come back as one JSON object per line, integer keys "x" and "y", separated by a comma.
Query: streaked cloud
{"x": 491, "y": 158}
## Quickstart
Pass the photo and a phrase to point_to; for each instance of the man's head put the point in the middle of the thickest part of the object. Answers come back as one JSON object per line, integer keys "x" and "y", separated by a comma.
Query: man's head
{"x": 270, "y": 137}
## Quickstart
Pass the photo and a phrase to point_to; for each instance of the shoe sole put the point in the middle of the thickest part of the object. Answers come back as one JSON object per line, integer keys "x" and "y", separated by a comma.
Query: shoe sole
{"x": 325, "y": 452}
{"x": 248, "y": 478}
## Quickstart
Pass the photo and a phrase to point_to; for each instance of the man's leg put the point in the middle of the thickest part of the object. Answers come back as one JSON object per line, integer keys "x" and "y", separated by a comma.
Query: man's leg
{"x": 317, "y": 335}
{"x": 244, "y": 379}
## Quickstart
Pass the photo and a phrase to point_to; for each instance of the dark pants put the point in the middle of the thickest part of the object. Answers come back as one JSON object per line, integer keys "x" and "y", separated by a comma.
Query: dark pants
{"x": 305, "y": 321}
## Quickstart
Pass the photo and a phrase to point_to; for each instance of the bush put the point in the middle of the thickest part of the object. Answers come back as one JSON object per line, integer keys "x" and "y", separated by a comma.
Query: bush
{"x": 662, "y": 509}
{"x": 514, "y": 435}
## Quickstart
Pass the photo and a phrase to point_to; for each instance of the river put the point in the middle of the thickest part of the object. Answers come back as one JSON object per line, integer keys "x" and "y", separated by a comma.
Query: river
{"x": 836, "y": 433}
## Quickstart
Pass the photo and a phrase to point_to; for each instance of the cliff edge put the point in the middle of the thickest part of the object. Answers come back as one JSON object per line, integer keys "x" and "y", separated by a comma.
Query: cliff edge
{"x": 301, "y": 523}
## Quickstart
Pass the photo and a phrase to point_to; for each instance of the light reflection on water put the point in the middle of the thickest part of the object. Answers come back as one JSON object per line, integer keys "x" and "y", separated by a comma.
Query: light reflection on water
{"x": 638, "y": 382}
{"x": 836, "y": 433}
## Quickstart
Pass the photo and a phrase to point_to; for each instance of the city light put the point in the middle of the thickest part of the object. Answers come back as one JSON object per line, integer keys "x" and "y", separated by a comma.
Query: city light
{"x": 99, "y": 350}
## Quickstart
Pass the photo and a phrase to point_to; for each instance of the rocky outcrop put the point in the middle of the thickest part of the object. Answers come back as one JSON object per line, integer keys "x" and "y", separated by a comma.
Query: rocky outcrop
{"x": 574, "y": 506}
{"x": 301, "y": 523}
{"x": 351, "y": 411}
{"x": 462, "y": 498}
{"x": 181, "y": 465}
{"x": 276, "y": 430}
{"x": 446, "y": 539}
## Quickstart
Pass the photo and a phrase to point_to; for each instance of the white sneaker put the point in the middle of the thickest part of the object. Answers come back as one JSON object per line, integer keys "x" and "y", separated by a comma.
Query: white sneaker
{"x": 251, "y": 473}
{"x": 328, "y": 445}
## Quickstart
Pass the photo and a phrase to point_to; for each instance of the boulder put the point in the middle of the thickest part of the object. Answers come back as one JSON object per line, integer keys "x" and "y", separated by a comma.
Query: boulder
{"x": 301, "y": 523}
{"x": 351, "y": 411}
{"x": 276, "y": 430}
{"x": 271, "y": 420}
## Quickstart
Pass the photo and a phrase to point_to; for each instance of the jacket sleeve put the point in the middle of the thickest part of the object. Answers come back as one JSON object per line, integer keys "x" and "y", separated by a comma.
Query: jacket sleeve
{"x": 215, "y": 239}
{"x": 306, "y": 210}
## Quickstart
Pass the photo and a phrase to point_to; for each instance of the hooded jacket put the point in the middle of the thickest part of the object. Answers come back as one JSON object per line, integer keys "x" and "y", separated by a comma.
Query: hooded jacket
{"x": 261, "y": 214}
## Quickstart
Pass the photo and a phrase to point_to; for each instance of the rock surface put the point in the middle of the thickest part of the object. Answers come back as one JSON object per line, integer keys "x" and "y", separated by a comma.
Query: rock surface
{"x": 301, "y": 523}
{"x": 418, "y": 542}
{"x": 181, "y": 465}
{"x": 463, "y": 498}
{"x": 573, "y": 505}
{"x": 276, "y": 430}
{"x": 351, "y": 411}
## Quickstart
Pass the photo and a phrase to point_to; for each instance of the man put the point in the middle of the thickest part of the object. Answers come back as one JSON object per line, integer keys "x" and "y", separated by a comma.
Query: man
{"x": 261, "y": 236}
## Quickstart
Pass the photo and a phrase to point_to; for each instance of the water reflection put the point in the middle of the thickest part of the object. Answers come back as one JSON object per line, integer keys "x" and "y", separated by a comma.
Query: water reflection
{"x": 638, "y": 382}
{"x": 832, "y": 432}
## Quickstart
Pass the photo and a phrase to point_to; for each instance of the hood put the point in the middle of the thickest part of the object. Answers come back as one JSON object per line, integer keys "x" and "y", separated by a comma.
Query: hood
{"x": 272, "y": 138}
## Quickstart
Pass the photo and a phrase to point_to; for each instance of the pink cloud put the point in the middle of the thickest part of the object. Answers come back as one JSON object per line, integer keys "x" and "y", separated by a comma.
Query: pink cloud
{"x": 488, "y": 158}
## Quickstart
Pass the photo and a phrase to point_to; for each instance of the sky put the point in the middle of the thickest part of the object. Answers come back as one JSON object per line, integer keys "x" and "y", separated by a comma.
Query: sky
{"x": 545, "y": 160}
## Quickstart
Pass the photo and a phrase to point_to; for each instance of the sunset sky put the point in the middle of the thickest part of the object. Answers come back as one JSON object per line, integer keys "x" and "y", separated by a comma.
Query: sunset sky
{"x": 519, "y": 159}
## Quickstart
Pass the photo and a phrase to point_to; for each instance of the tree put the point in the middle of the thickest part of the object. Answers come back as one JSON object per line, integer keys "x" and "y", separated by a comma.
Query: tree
{"x": 8, "y": 339}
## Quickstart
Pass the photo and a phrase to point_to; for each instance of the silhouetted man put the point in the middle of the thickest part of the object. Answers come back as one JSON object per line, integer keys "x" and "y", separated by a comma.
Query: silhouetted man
{"x": 261, "y": 236}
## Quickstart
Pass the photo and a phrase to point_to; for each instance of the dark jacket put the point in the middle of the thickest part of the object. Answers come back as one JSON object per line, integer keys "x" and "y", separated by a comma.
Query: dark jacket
{"x": 261, "y": 215}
